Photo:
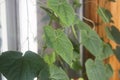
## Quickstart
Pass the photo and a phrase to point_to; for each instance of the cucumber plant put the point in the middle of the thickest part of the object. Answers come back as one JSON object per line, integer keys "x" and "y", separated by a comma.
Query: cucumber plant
{"x": 63, "y": 51}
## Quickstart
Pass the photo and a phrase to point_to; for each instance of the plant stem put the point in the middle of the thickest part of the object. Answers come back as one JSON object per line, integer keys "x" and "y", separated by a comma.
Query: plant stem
{"x": 89, "y": 20}
{"x": 74, "y": 31}
{"x": 50, "y": 22}
{"x": 62, "y": 64}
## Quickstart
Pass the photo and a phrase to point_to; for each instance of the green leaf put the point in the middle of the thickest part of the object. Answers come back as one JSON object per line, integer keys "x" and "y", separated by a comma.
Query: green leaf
{"x": 76, "y": 4}
{"x": 117, "y": 52}
{"x": 50, "y": 13}
{"x": 63, "y": 10}
{"x": 57, "y": 40}
{"x": 108, "y": 32}
{"x": 44, "y": 74}
{"x": 119, "y": 72}
{"x": 109, "y": 70}
{"x": 57, "y": 73}
{"x": 104, "y": 14}
{"x": 78, "y": 79}
{"x": 52, "y": 72}
{"x": 92, "y": 42}
{"x": 83, "y": 26}
{"x": 113, "y": 33}
{"x": 96, "y": 70}
{"x": 14, "y": 66}
{"x": 76, "y": 65}
{"x": 10, "y": 56}
{"x": 112, "y": 0}
{"x": 50, "y": 58}
{"x": 107, "y": 51}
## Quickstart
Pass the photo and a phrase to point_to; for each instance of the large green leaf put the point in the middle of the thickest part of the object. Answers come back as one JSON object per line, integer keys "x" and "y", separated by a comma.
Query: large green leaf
{"x": 63, "y": 10}
{"x": 117, "y": 52}
{"x": 57, "y": 40}
{"x": 96, "y": 70}
{"x": 92, "y": 42}
{"x": 113, "y": 33}
{"x": 104, "y": 14}
{"x": 14, "y": 66}
{"x": 53, "y": 73}
{"x": 107, "y": 51}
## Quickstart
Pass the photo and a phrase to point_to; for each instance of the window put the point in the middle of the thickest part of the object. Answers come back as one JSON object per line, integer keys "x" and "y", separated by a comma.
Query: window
{"x": 18, "y": 25}
{"x": 3, "y": 30}
{"x": 28, "y": 25}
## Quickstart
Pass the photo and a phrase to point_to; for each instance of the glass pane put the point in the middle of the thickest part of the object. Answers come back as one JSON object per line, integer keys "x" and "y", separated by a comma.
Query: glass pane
{"x": 28, "y": 25}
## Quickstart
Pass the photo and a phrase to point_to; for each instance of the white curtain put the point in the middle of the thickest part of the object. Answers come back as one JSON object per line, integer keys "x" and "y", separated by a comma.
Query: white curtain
{"x": 28, "y": 25}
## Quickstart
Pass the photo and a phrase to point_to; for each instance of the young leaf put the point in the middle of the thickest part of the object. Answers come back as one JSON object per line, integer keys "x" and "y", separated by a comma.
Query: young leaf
{"x": 104, "y": 14}
{"x": 76, "y": 4}
{"x": 96, "y": 70}
{"x": 113, "y": 34}
{"x": 57, "y": 40}
{"x": 92, "y": 42}
{"x": 52, "y": 72}
{"x": 117, "y": 52}
{"x": 63, "y": 10}
{"x": 50, "y": 58}
{"x": 14, "y": 66}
